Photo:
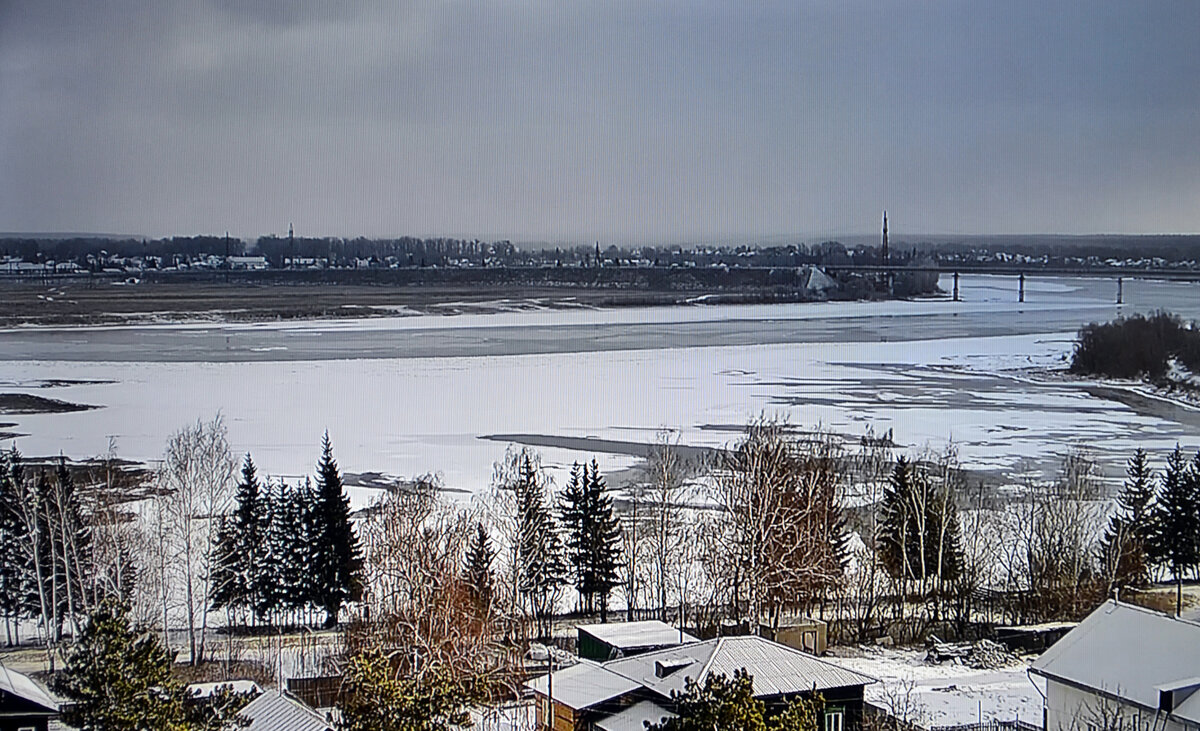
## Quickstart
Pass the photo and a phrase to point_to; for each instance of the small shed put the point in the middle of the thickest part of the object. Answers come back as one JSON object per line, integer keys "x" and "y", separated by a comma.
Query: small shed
{"x": 800, "y": 633}
{"x": 1033, "y": 637}
{"x": 23, "y": 703}
{"x": 612, "y": 640}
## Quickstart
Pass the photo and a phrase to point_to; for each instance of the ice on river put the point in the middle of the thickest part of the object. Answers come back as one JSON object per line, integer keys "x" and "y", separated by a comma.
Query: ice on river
{"x": 410, "y": 416}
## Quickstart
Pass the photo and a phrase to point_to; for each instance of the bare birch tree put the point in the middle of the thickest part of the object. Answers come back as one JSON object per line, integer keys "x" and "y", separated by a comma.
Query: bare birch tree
{"x": 782, "y": 526}
{"x": 196, "y": 482}
{"x": 417, "y": 593}
{"x": 666, "y": 476}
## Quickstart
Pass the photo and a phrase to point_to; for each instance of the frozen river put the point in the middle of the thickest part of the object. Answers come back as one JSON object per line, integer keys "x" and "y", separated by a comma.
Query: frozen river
{"x": 410, "y": 395}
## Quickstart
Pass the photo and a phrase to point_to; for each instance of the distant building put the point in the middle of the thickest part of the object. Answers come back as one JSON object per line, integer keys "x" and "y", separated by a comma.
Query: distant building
{"x": 252, "y": 263}
{"x": 24, "y": 704}
{"x": 612, "y": 640}
{"x": 624, "y": 694}
{"x": 1124, "y": 668}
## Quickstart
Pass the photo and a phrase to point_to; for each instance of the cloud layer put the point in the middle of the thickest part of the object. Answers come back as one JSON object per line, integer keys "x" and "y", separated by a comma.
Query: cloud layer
{"x": 618, "y": 121}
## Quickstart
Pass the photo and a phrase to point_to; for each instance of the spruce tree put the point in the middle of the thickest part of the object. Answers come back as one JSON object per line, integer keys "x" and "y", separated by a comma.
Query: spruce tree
{"x": 270, "y": 577}
{"x": 540, "y": 563}
{"x": 241, "y": 544}
{"x": 301, "y": 521}
{"x": 1175, "y": 537}
{"x": 120, "y": 678}
{"x": 576, "y": 521}
{"x": 605, "y": 539}
{"x": 593, "y": 536}
{"x": 1126, "y": 542}
{"x": 337, "y": 561}
{"x": 18, "y": 598}
{"x": 478, "y": 569}
{"x": 894, "y": 539}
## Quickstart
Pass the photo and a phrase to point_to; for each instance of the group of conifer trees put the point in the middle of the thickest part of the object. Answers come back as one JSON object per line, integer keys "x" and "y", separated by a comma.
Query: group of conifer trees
{"x": 288, "y": 550}
{"x": 579, "y": 543}
{"x": 918, "y": 526}
{"x": 1155, "y": 525}
{"x": 593, "y": 537}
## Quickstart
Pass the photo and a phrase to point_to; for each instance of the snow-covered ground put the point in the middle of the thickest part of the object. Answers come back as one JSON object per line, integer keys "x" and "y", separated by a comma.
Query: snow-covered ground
{"x": 946, "y": 694}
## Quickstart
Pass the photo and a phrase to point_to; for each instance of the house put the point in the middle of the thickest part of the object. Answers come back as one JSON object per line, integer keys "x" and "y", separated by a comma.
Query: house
{"x": 24, "y": 704}
{"x": 612, "y": 640}
{"x": 279, "y": 711}
{"x": 621, "y": 694}
{"x": 1123, "y": 668}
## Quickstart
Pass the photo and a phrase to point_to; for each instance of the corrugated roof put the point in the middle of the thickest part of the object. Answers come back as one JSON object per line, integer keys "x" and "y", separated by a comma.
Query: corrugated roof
{"x": 583, "y": 685}
{"x": 632, "y": 635}
{"x": 1128, "y": 652}
{"x": 777, "y": 669}
{"x": 634, "y": 717}
{"x": 23, "y": 686}
{"x": 275, "y": 711}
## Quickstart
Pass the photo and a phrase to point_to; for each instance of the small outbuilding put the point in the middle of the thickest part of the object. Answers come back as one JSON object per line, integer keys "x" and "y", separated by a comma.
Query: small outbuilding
{"x": 24, "y": 704}
{"x": 801, "y": 633}
{"x": 1033, "y": 637}
{"x": 612, "y": 640}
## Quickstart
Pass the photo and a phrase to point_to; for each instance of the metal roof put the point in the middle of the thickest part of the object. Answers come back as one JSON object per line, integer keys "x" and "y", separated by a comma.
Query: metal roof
{"x": 23, "y": 686}
{"x": 632, "y": 635}
{"x": 776, "y": 669}
{"x": 583, "y": 685}
{"x": 1128, "y": 652}
{"x": 275, "y": 711}
{"x": 634, "y": 718}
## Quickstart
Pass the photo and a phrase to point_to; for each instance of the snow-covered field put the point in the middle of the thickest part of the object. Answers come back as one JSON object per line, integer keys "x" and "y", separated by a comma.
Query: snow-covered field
{"x": 947, "y": 694}
{"x": 407, "y": 416}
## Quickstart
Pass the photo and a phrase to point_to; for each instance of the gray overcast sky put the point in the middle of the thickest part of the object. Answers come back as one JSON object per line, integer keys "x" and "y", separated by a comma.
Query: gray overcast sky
{"x": 618, "y": 121}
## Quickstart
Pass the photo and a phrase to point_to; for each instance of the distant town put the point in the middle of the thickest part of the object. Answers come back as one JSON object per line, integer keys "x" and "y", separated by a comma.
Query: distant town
{"x": 32, "y": 255}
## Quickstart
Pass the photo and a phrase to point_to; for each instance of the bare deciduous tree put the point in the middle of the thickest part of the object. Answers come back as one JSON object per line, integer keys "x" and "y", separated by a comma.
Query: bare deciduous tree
{"x": 196, "y": 488}
{"x": 779, "y": 518}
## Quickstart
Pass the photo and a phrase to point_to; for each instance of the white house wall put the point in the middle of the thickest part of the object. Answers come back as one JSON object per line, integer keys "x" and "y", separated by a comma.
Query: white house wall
{"x": 1071, "y": 709}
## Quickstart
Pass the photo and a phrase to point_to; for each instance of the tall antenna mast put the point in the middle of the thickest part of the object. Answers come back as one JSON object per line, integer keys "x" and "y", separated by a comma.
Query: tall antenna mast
{"x": 883, "y": 253}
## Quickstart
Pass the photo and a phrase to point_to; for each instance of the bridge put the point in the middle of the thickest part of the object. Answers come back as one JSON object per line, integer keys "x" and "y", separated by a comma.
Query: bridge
{"x": 1120, "y": 274}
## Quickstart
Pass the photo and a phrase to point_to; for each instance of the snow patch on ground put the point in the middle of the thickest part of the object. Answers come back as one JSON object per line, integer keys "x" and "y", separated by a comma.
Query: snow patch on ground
{"x": 946, "y": 694}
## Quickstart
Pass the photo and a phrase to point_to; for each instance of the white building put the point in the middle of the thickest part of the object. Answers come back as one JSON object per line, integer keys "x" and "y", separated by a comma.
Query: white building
{"x": 1124, "y": 668}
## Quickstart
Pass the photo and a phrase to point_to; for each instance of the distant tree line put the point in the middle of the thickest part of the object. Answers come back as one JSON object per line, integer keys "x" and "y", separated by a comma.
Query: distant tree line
{"x": 408, "y": 251}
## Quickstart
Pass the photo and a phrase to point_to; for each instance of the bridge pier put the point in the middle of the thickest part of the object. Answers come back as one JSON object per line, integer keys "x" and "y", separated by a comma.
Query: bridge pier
{"x": 956, "y": 287}
{"x": 1120, "y": 290}
{"x": 1021, "y": 289}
